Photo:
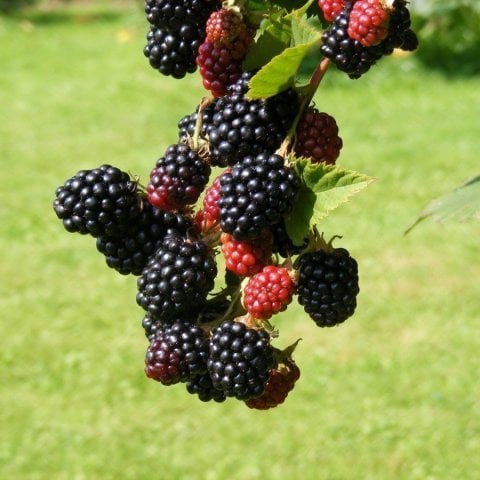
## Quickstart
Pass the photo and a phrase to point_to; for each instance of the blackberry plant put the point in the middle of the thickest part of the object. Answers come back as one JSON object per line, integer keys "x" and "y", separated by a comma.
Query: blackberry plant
{"x": 273, "y": 155}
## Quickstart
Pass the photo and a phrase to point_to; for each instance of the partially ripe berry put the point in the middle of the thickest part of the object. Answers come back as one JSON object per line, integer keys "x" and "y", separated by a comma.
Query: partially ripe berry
{"x": 268, "y": 292}
{"x": 368, "y": 22}
{"x": 317, "y": 137}
{"x": 331, "y": 8}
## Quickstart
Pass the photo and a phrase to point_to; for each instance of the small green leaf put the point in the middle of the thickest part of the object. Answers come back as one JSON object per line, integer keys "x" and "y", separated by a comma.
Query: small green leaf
{"x": 297, "y": 222}
{"x": 278, "y": 74}
{"x": 460, "y": 205}
{"x": 324, "y": 188}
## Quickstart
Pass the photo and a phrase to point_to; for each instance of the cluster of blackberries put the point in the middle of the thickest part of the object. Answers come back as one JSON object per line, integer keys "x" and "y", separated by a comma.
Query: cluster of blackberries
{"x": 215, "y": 337}
{"x": 364, "y": 31}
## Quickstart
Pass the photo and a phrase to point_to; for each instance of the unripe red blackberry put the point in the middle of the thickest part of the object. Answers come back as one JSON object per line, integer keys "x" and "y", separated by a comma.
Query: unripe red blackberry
{"x": 331, "y": 8}
{"x": 224, "y": 25}
{"x": 129, "y": 253}
{"x": 209, "y": 216}
{"x": 280, "y": 383}
{"x": 178, "y": 178}
{"x": 176, "y": 279}
{"x": 268, "y": 292}
{"x": 247, "y": 257}
{"x": 256, "y": 194}
{"x": 220, "y": 64}
{"x": 202, "y": 386}
{"x": 317, "y": 137}
{"x": 240, "y": 360}
{"x": 368, "y": 22}
{"x": 242, "y": 127}
{"x": 102, "y": 201}
{"x": 177, "y": 353}
{"x": 328, "y": 285}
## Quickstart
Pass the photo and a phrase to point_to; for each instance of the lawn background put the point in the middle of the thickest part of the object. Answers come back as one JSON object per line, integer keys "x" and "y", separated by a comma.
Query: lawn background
{"x": 391, "y": 394}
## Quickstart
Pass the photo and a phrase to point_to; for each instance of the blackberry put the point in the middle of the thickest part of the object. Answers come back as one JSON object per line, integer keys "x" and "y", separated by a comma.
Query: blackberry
{"x": 280, "y": 383}
{"x": 245, "y": 258}
{"x": 240, "y": 360}
{"x": 317, "y": 137}
{"x": 209, "y": 217}
{"x": 102, "y": 201}
{"x": 178, "y": 178}
{"x": 268, "y": 292}
{"x": 328, "y": 285}
{"x": 347, "y": 54}
{"x": 173, "y": 52}
{"x": 242, "y": 127}
{"x": 256, "y": 194}
{"x": 129, "y": 253}
{"x": 369, "y": 21}
{"x": 177, "y": 29}
{"x": 331, "y": 8}
{"x": 186, "y": 125}
{"x": 176, "y": 279}
{"x": 202, "y": 386}
{"x": 224, "y": 25}
{"x": 220, "y": 64}
{"x": 177, "y": 353}
{"x": 398, "y": 29}
{"x": 283, "y": 244}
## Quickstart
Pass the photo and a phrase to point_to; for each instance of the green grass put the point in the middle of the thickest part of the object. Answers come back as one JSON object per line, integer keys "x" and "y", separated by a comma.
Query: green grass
{"x": 391, "y": 394}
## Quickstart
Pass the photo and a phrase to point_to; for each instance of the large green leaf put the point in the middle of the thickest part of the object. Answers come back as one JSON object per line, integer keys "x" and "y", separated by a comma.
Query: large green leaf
{"x": 324, "y": 188}
{"x": 460, "y": 205}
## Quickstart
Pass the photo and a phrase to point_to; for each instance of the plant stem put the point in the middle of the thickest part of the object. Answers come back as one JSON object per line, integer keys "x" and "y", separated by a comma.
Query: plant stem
{"x": 306, "y": 98}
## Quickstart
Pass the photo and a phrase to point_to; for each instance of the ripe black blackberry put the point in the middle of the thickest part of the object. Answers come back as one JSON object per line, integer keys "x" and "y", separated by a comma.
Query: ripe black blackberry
{"x": 243, "y": 127}
{"x": 240, "y": 360}
{"x": 176, "y": 279}
{"x": 172, "y": 52}
{"x": 202, "y": 386}
{"x": 177, "y": 353}
{"x": 399, "y": 30}
{"x": 102, "y": 201}
{"x": 177, "y": 29}
{"x": 255, "y": 195}
{"x": 328, "y": 285}
{"x": 178, "y": 178}
{"x": 129, "y": 253}
{"x": 186, "y": 125}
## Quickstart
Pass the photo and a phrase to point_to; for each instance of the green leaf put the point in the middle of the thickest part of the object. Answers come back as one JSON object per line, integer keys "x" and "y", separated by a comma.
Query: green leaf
{"x": 304, "y": 32}
{"x": 324, "y": 188}
{"x": 275, "y": 36}
{"x": 279, "y": 73}
{"x": 461, "y": 205}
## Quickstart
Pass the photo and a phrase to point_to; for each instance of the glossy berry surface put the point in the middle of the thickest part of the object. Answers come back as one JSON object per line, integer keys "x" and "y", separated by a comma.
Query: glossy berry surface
{"x": 247, "y": 257}
{"x": 317, "y": 137}
{"x": 280, "y": 383}
{"x": 240, "y": 360}
{"x": 268, "y": 292}
{"x": 101, "y": 201}
{"x": 368, "y": 22}
{"x": 257, "y": 193}
{"x": 178, "y": 178}
{"x": 177, "y": 279}
{"x": 328, "y": 286}
{"x": 176, "y": 353}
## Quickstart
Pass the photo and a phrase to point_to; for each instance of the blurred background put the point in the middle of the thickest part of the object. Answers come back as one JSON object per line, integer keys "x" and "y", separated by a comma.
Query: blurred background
{"x": 391, "y": 394}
